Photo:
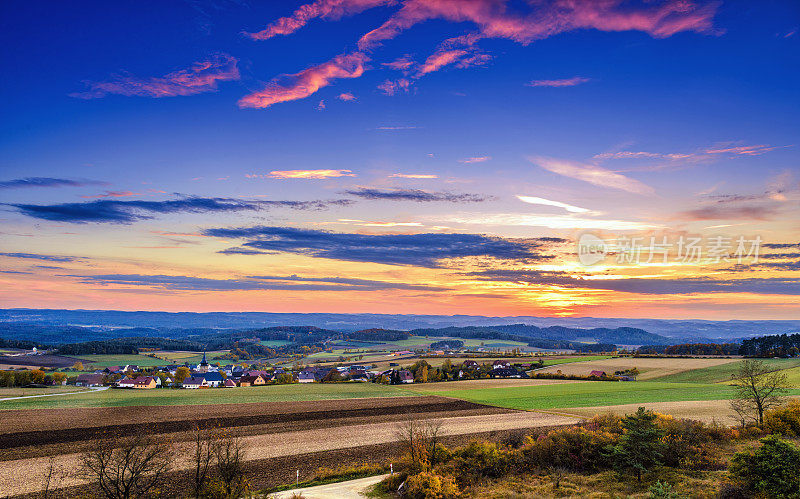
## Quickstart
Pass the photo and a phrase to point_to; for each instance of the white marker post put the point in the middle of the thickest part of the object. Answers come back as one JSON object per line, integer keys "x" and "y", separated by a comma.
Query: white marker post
{"x": 297, "y": 480}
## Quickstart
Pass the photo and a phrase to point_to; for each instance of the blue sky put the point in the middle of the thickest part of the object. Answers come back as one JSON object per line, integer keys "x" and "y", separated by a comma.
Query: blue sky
{"x": 665, "y": 117}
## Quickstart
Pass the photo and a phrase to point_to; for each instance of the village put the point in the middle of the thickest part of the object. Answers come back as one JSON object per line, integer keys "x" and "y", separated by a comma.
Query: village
{"x": 206, "y": 375}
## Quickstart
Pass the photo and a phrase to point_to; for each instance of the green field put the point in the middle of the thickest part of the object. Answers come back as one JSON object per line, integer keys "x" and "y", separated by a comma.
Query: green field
{"x": 591, "y": 394}
{"x": 570, "y": 360}
{"x": 723, "y": 373}
{"x": 274, "y": 343}
{"x": 251, "y": 394}
{"x": 793, "y": 377}
{"x": 119, "y": 360}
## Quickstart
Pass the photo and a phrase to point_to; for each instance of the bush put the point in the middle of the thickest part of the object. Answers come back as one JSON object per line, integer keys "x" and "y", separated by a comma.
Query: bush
{"x": 482, "y": 459}
{"x": 663, "y": 490}
{"x": 576, "y": 449}
{"x": 784, "y": 420}
{"x": 427, "y": 485}
{"x": 690, "y": 444}
{"x": 772, "y": 470}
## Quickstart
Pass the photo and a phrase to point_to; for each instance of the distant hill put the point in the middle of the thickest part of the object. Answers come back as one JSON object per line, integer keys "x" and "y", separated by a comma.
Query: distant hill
{"x": 58, "y": 326}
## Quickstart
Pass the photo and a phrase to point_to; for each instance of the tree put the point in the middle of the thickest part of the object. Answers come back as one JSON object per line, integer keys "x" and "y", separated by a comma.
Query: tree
{"x": 130, "y": 467}
{"x": 58, "y": 377}
{"x": 758, "y": 388}
{"x": 229, "y": 454}
{"x": 773, "y": 470}
{"x": 203, "y": 456}
{"x": 639, "y": 448}
{"x": 182, "y": 373}
{"x": 78, "y": 366}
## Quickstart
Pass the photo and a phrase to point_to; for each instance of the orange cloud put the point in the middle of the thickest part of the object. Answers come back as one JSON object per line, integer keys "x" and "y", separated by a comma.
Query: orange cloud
{"x": 347, "y": 96}
{"x": 566, "y": 82}
{"x": 400, "y": 64}
{"x": 439, "y": 59}
{"x": 306, "y": 82}
{"x": 304, "y": 174}
{"x": 325, "y": 9}
{"x": 201, "y": 77}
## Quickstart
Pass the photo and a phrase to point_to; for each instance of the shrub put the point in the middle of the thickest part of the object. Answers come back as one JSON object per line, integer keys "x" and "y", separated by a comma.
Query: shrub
{"x": 427, "y": 485}
{"x": 577, "y": 449}
{"x": 784, "y": 420}
{"x": 772, "y": 470}
{"x": 690, "y": 444}
{"x": 482, "y": 459}
{"x": 663, "y": 490}
{"x": 640, "y": 448}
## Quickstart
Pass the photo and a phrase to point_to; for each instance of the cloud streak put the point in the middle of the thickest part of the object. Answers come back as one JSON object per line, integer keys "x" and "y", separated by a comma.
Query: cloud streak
{"x": 305, "y": 174}
{"x": 202, "y": 77}
{"x": 593, "y": 174}
{"x": 22, "y": 183}
{"x": 127, "y": 212}
{"x": 305, "y": 83}
{"x": 46, "y": 258}
{"x": 567, "y": 82}
{"x": 422, "y": 250}
{"x": 416, "y": 195}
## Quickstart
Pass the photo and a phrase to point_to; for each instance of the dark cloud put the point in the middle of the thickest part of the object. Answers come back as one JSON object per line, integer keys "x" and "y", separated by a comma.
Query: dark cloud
{"x": 424, "y": 250}
{"x": 779, "y": 286}
{"x": 46, "y": 182}
{"x": 47, "y": 258}
{"x": 14, "y": 272}
{"x": 126, "y": 212}
{"x": 416, "y": 195}
{"x": 780, "y": 245}
{"x": 251, "y": 283}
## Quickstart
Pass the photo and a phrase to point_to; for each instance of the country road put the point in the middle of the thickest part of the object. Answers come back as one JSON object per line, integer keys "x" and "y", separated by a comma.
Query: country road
{"x": 351, "y": 489}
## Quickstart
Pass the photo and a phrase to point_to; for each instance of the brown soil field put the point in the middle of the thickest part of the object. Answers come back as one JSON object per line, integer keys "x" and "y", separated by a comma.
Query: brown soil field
{"x": 38, "y": 360}
{"x": 24, "y": 476}
{"x": 39, "y": 433}
{"x": 649, "y": 368}
{"x": 266, "y": 473}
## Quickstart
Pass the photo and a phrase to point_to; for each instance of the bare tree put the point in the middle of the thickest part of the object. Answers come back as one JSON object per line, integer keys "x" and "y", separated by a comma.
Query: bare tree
{"x": 203, "y": 456}
{"x": 759, "y": 387}
{"x": 229, "y": 453}
{"x": 130, "y": 467}
{"x": 422, "y": 440}
{"x": 432, "y": 433}
{"x": 52, "y": 478}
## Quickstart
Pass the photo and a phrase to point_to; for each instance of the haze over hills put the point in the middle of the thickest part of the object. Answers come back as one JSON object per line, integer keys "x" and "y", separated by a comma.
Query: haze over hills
{"x": 644, "y": 331}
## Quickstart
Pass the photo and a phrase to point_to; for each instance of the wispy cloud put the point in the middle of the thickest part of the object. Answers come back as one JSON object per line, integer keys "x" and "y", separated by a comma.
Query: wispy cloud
{"x": 547, "y": 202}
{"x": 549, "y": 221}
{"x": 113, "y": 194}
{"x": 566, "y": 82}
{"x": 325, "y": 9}
{"x": 127, "y": 212}
{"x": 396, "y": 127}
{"x": 46, "y": 258}
{"x": 391, "y": 87}
{"x": 476, "y": 159}
{"x": 654, "y": 286}
{"x": 366, "y": 223}
{"x": 593, "y": 174}
{"x": 251, "y": 283}
{"x": 346, "y": 96}
{"x": 417, "y": 195}
{"x": 413, "y": 175}
{"x": 306, "y": 82}
{"x": 304, "y": 174}
{"x": 21, "y": 183}
{"x": 422, "y": 250}
{"x": 400, "y": 64}
{"x": 202, "y": 77}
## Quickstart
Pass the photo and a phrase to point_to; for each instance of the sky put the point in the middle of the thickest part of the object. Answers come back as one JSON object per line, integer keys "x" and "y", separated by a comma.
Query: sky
{"x": 486, "y": 157}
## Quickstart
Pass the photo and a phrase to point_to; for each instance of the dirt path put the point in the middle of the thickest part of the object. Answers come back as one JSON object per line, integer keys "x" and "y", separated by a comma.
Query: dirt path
{"x": 351, "y": 489}
{"x": 27, "y": 475}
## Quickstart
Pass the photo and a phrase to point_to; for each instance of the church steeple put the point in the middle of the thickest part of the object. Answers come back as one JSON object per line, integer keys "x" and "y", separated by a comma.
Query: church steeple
{"x": 204, "y": 362}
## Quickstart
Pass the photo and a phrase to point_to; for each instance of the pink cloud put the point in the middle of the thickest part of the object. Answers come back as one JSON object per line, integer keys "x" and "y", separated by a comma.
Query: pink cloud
{"x": 566, "y": 82}
{"x": 113, "y": 194}
{"x": 201, "y": 77}
{"x": 325, "y": 9}
{"x": 743, "y": 150}
{"x": 390, "y": 87}
{"x": 321, "y": 105}
{"x": 477, "y": 159}
{"x": 306, "y": 82}
{"x": 304, "y": 174}
{"x": 549, "y": 18}
{"x": 400, "y": 64}
{"x": 440, "y": 59}
{"x": 347, "y": 96}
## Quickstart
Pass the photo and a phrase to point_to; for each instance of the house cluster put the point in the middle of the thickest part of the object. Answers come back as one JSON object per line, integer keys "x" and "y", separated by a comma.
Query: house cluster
{"x": 498, "y": 369}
